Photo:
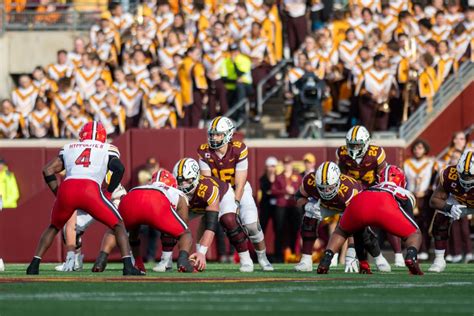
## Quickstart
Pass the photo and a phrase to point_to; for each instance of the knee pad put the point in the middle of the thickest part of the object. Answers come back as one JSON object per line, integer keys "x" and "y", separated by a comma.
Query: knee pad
{"x": 441, "y": 225}
{"x": 371, "y": 243}
{"x": 254, "y": 231}
{"x": 309, "y": 228}
{"x": 168, "y": 242}
{"x": 234, "y": 232}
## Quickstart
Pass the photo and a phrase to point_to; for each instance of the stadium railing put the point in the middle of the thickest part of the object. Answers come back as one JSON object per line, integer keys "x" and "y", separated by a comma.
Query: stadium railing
{"x": 264, "y": 94}
{"x": 448, "y": 91}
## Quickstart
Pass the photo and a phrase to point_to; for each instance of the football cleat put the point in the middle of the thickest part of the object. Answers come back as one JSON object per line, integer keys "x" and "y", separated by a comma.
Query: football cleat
{"x": 246, "y": 267}
{"x": 100, "y": 262}
{"x": 132, "y": 271}
{"x": 78, "y": 262}
{"x": 438, "y": 266}
{"x": 399, "y": 261}
{"x": 467, "y": 259}
{"x": 413, "y": 266}
{"x": 382, "y": 264}
{"x": 323, "y": 267}
{"x": 364, "y": 267}
{"x": 165, "y": 265}
{"x": 33, "y": 268}
{"x": 2, "y": 265}
{"x": 305, "y": 264}
{"x": 265, "y": 264}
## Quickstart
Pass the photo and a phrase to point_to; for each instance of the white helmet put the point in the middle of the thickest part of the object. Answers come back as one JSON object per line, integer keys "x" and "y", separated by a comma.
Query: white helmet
{"x": 465, "y": 170}
{"x": 357, "y": 141}
{"x": 187, "y": 173}
{"x": 220, "y": 125}
{"x": 328, "y": 180}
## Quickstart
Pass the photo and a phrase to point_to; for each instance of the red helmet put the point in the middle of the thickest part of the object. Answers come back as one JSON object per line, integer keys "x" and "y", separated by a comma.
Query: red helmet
{"x": 93, "y": 131}
{"x": 165, "y": 177}
{"x": 392, "y": 173}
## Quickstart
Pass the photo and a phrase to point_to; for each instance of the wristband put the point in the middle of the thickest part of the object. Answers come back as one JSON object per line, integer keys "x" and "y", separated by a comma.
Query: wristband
{"x": 203, "y": 249}
{"x": 49, "y": 178}
{"x": 447, "y": 208}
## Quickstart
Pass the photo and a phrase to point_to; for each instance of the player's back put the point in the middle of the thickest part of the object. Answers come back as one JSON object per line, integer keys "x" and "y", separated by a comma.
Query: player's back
{"x": 87, "y": 159}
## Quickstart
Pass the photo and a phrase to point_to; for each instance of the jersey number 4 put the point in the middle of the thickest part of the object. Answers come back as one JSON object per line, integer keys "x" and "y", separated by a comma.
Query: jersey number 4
{"x": 85, "y": 158}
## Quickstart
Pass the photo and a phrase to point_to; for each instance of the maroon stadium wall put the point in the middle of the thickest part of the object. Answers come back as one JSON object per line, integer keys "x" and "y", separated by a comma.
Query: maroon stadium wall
{"x": 20, "y": 228}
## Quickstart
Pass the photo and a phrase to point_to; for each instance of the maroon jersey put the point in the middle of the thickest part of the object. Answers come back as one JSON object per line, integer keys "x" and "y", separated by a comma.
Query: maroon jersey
{"x": 347, "y": 190}
{"x": 450, "y": 181}
{"x": 365, "y": 171}
{"x": 224, "y": 168}
{"x": 209, "y": 190}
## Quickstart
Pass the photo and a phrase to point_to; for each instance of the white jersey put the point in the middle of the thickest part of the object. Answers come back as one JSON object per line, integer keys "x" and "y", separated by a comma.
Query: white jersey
{"x": 88, "y": 159}
{"x": 171, "y": 193}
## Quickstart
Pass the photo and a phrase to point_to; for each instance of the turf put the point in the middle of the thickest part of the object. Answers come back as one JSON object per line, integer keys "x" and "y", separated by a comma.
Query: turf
{"x": 222, "y": 290}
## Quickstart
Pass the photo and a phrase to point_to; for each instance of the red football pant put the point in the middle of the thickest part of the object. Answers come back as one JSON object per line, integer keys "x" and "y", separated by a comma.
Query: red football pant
{"x": 378, "y": 209}
{"x": 86, "y": 195}
{"x": 151, "y": 207}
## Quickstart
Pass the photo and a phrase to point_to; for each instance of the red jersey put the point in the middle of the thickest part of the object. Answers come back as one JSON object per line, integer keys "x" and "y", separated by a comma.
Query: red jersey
{"x": 223, "y": 168}
{"x": 449, "y": 179}
{"x": 279, "y": 189}
{"x": 366, "y": 170}
{"x": 347, "y": 190}
{"x": 209, "y": 190}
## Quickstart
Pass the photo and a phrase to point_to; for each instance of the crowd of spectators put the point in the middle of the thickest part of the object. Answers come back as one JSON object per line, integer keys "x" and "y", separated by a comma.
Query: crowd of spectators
{"x": 177, "y": 63}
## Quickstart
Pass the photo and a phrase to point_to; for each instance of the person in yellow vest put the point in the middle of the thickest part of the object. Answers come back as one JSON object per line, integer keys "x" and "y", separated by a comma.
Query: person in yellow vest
{"x": 237, "y": 75}
{"x": 192, "y": 79}
{"x": 272, "y": 28}
{"x": 12, "y": 124}
{"x": 420, "y": 171}
{"x": 9, "y": 191}
{"x": 42, "y": 122}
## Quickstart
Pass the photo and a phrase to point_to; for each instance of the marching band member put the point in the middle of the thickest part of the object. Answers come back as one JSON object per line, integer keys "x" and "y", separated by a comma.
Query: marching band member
{"x": 24, "y": 96}
{"x": 11, "y": 123}
{"x": 42, "y": 121}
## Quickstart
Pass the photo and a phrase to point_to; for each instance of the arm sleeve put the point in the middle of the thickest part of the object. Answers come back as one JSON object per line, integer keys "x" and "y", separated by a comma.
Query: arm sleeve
{"x": 203, "y": 165}
{"x": 117, "y": 168}
{"x": 242, "y": 165}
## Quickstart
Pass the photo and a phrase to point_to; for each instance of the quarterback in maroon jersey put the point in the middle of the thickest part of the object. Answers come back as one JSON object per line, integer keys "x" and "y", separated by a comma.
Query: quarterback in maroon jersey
{"x": 387, "y": 205}
{"x": 228, "y": 160}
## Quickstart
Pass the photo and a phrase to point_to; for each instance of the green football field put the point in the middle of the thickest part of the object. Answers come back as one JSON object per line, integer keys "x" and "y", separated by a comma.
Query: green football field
{"x": 222, "y": 290}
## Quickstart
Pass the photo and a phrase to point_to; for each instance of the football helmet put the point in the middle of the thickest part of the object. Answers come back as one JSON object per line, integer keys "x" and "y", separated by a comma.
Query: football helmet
{"x": 392, "y": 173}
{"x": 465, "y": 170}
{"x": 187, "y": 173}
{"x": 328, "y": 180}
{"x": 357, "y": 141}
{"x": 93, "y": 131}
{"x": 221, "y": 125}
{"x": 164, "y": 176}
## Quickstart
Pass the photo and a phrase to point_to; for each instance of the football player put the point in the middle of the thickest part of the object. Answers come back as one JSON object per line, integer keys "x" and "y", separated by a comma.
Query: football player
{"x": 163, "y": 207}
{"x": 86, "y": 163}
{"x": 363, "y": 162}
{"x": 454, "y": 197}
{"x": 216, "y": 200}
{"x": 325, "y": 193}
{"x": 387, "y": 205}
{"x": 228, "y": 160}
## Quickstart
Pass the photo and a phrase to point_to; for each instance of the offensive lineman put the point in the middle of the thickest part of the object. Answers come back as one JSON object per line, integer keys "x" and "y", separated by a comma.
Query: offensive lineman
{"x": 86, "y": 163}
{"x": 216, "y": 200}
{"x": 163, "y": 207}
{"x": 454, "y": 196}
{"x": 363, "y": 162}
{"x": 325, "y": 193}
{"x": 228, "y": 160}
{"x": 388, "y": 205}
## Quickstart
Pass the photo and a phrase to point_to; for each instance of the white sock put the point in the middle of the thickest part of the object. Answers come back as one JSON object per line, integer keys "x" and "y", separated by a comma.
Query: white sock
{"x": 308, "y": 258}
{"x": 261, "y": 254}
{"x": 245, "y": 257}
{"x": 439, "y": 254}
{"x": 166, "y": 255}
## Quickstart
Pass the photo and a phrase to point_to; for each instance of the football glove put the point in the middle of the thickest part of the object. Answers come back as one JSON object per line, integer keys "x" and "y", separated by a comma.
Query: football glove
{"x": 68, "y": 266}
{"x": 312, "y": 210}
{"x": 456, "y": 211}
{"x": 352, "y": 264}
